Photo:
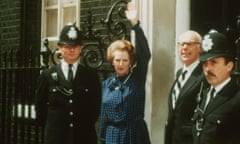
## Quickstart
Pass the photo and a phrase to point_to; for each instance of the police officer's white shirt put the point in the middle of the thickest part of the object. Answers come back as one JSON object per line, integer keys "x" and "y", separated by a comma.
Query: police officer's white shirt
{"x": 217, "y": 88}
{"x": 65, "y": 66}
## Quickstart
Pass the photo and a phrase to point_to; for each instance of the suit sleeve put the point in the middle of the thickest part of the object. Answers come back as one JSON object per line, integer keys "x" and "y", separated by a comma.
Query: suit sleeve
{"x": 143, "y": 54}
{"x": 141, "y": 44}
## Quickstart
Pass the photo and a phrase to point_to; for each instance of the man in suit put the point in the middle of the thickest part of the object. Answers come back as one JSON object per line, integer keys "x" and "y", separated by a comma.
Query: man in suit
{"x": 217, "y": 117}
{"x": 183, "y": 94}
{"x": 68, "y": 95}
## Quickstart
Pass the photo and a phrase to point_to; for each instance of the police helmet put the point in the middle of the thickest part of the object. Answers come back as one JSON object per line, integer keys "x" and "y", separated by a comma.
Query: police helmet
{"x": 70, "y": 35}
{"x": 215, "y": 44}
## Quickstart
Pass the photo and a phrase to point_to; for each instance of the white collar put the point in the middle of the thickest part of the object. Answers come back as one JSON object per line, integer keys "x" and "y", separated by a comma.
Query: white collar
{"x": 221, "y": 85}
{"x": 191, "y": 67}
{"x": 65, "y": 64}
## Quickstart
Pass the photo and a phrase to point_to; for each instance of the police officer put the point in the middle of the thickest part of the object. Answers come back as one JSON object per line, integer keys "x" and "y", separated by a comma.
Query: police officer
{"x": 217, "y": 117}
{"x": 68, "y": 95}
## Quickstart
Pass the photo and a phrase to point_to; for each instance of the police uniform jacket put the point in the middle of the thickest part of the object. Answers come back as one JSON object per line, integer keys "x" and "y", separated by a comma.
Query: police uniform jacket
{"x": 123, "y": 101}
{"x": 178, "y": 129}
{"x": 68, "y": 111}
{"x": 220, "y": 122}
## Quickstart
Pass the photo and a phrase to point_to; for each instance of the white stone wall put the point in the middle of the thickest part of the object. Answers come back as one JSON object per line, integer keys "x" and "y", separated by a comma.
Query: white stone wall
{"x": 162, "y": 21}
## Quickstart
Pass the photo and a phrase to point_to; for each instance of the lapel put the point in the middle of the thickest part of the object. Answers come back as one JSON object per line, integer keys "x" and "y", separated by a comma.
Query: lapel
{"x": 223, "y": 96}
{"x": 78, "y": 73}
{"x": 193, "y": 81}
{"x": 81, "y": 76}
{"x": 60, "y": 72}
{"x": 203, "y": 98}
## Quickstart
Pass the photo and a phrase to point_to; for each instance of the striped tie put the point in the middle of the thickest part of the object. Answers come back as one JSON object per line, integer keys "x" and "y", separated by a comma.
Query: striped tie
{"x": 177, "y": 88}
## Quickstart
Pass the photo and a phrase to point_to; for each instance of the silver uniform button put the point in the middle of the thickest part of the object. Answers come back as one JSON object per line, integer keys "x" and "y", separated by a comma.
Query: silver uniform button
{"x": 71, "y": 125}
{"x": 54, "y": 90}
{"x": 70, "y": 101}
{"x": 71, "y": 113}
{"x": 218, "y": 121}
{"x": 86, "y": 90}
{"x": 70, "y": 92}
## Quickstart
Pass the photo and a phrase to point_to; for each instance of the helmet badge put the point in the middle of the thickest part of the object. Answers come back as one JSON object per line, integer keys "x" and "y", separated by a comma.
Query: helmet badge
{"x": 207, "y": 43}
{"x": 72, "y": 33}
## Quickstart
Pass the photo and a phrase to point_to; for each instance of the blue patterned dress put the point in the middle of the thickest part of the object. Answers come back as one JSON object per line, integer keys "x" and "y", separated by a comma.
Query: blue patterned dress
{"x": 123, "y": 101}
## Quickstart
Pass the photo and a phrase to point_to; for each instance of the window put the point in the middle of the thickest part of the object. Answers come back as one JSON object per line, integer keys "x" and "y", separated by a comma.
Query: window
{"x": 56, "y": 14}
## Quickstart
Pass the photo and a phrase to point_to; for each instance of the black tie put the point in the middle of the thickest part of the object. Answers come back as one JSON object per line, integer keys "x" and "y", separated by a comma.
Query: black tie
{"x": 211, "y": 97}
{"x": 178, "y": 86}
{"x": 70, "y": 73}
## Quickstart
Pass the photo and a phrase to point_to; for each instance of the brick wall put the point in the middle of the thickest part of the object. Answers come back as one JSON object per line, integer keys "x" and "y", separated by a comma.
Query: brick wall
{"x": 30, "y": 32}
{"x": 99, "y": 9}
{"x": 19, "y": 32}
{"x": 9, "y": 26}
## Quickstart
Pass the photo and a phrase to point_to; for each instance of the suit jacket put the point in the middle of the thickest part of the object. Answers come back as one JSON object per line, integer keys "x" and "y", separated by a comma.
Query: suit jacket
{"x": 68, "y": 111}
{"x": 220, "y": 122}
{"x": 178, "y": 128}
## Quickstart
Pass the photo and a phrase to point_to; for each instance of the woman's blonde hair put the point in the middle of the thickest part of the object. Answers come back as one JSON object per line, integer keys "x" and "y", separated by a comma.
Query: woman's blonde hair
{"x": 121, "y": 45}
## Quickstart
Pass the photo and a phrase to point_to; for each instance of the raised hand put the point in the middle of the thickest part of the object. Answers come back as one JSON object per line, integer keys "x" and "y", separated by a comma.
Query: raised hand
{"x": 131, "y": 13}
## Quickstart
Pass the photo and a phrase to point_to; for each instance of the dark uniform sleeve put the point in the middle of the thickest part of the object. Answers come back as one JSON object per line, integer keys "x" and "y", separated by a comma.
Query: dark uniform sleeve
{"x": 41, "y": 97}
{"x": 96, "y": 94}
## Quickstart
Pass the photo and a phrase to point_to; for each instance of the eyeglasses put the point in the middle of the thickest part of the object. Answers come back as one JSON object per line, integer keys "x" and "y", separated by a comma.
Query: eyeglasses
{"x": 181, "y": 44}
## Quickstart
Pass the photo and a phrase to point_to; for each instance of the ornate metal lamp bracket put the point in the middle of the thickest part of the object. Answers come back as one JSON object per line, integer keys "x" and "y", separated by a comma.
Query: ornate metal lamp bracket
{"x": 118, "y": 26}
